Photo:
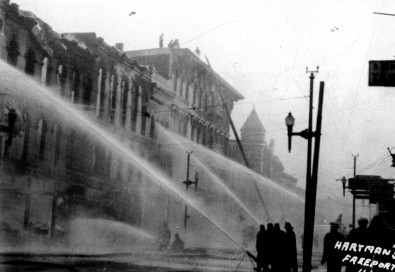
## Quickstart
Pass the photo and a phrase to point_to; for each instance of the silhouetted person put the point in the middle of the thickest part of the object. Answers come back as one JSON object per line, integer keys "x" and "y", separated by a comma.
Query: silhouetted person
{"x": 176, "y": 43}
{"x": 359, "y": 236}
{"x": 269, "y": 245}
{"x": 161, "y": 41}
{"x": 170, "y": 45}
{"x": 178, "y": 244}
{"x": 278, "y": 264}
{"x": 331, "y": 256}
{"x": 165, "y": 237}
{"x": 290, "y": 251}
{"x": 378, "y": 233}
{"x": 261, "y": 248}
{"x": 197, "y": 51}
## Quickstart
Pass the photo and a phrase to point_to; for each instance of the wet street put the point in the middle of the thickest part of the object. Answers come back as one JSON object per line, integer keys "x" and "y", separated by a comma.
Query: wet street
{"x": 201, "y": 260}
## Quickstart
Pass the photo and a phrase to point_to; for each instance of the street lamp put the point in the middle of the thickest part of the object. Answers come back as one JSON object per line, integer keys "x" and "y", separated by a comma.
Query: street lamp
{"x": 290, "y": 121}
{"x": 344, "y": 180}
{"x": 187, "y": 183}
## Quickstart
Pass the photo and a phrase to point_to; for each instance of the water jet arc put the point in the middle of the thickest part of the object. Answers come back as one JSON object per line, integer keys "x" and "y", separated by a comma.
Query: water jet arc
{"x": 77, "y": 118}
{"x": 238, "y": 140}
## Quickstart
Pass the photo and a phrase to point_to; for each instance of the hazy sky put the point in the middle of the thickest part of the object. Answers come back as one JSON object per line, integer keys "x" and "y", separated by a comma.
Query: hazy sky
{"x": 263, "y": 48}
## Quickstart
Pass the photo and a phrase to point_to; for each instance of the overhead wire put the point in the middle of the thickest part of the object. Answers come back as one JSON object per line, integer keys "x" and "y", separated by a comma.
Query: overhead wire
{"x": 361, "y": 73}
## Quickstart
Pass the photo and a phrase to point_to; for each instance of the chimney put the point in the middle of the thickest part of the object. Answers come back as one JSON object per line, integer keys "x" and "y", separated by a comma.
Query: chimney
{"x": 119, "y": 46}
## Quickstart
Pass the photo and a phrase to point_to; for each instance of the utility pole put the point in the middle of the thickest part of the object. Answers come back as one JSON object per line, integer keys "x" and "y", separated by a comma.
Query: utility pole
{"x": 187, "y": 183}
{"x": 310, "y": 128}
{"x": 186, "y": 215}
{"x": 311, "y": 190}
{"x": 311, "y": 180}
{"x": 307, "y": 243}
{"x": 353, "y": 195}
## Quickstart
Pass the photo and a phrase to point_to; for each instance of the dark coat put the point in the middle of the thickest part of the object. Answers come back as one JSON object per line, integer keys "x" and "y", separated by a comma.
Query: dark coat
{"x": 291, "y": 255}
{"x": 331, "y": 256}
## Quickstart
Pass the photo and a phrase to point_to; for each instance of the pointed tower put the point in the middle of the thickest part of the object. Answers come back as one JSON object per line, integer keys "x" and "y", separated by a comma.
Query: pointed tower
{"x": 260, "y": 154}
{"x": 253, "y": 131}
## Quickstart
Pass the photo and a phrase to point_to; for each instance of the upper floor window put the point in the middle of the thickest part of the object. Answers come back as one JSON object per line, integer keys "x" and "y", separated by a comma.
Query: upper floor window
{"x": 41, "y": 133}
{"x": 30, "y": 62}
{"x": 12, "y": 51}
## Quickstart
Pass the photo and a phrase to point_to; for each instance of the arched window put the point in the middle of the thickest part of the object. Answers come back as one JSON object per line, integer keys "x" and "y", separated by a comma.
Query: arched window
{"x": 187, "y": 90}
{"x": 58, "y": 134}
{"x": 185, "y": 127}
{"x": 41, "y": 133}
{"x": 204, "y": 136}
{"x": 44, "y": 71}
{"x": 88, "y": 86}
{"x": 75, "y": 86}
{"x": 135, "y": 104}
{"x": 12, "y": 51}
{"x": 143, "y": 112}
{"x": 152, "y": 127}
{"x": 194, "y": 100}
{"x": 181, "y": 92}
{"x": 210, "y": 99}
{"x": 211, "y": 138}
{"x": 101, "y": 83}
{"x": 113, "y": 96}
{"x": 26, "y": 127}
{"x": 124, "y": 92}
{"x": 175, "y": 79}
{"x": 200, "y": 97}
{"x": 192, "y": 131}
{"x": 205, "y": 100}
{"x": 30, "y": 62}
{"x": 62, "y": 75}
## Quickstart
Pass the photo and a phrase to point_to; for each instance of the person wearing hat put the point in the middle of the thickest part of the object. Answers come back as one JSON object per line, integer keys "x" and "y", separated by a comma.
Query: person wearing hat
{"x": 331, "y": 256}
{"x": 291, "y": 255}
{"x": 261, "y": 240}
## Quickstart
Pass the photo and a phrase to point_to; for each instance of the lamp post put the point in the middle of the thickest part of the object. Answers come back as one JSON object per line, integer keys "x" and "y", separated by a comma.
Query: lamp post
{"x": 290, "y": 121}
{"x": 344, "y": 180}
{"x": 311, "y": 180}
{"x": 187, "y": 183}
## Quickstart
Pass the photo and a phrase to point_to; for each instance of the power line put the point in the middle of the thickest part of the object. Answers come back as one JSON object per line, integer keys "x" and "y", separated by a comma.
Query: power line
{"x": 212, "y": 29}
{"x": 360, "y": 77}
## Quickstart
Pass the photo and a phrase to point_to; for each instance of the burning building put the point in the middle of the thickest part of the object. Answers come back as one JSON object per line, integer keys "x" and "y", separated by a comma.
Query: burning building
{"x": 92, "y": 131}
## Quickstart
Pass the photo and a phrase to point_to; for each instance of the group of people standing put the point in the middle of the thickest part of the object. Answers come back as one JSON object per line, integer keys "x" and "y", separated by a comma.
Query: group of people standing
{"x": 377, "y": 234}
{"x": 172, "y": 44}
{"x": 276, "y": 248}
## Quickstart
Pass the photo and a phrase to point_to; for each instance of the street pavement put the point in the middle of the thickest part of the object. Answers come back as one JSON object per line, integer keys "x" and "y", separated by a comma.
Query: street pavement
{"x": 196, "y": 260}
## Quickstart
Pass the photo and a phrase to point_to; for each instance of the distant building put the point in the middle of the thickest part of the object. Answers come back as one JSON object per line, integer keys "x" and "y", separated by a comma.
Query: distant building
{"x": 196, "y": 107}
{"x": 260, "y": 155}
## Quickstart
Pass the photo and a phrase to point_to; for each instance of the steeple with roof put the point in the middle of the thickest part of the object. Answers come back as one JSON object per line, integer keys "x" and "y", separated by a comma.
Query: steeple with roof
{"x": 253, "y": 131}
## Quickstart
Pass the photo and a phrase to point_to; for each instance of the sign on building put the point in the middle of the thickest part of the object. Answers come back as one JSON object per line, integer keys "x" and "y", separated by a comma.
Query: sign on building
{"x": 382, "y": 73}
